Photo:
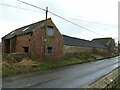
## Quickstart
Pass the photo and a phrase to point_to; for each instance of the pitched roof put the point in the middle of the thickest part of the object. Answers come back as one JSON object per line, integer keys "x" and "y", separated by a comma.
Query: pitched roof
{"x": 104, "y": 41}
{"x": 24, "y": 29}
{"x": 67, "y": 39}
{"x": 81, "y": 42}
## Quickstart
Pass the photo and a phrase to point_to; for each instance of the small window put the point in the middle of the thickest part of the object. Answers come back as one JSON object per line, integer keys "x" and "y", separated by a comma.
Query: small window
{"x": 25, "y": 29}
{"x": 12, "y": 32}
{"x": 49, "y": 49}
{"x": 50, "y": 31}
{"x": 25, "y": 49}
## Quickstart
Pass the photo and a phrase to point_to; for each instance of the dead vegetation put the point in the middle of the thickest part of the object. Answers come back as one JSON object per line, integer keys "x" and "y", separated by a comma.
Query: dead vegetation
{"x": 28, "y": 65}
{"x": 24, "y": 66}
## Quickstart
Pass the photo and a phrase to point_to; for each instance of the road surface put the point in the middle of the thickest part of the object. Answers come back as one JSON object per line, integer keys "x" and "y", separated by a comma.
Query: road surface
{"x": 75, "y": 76}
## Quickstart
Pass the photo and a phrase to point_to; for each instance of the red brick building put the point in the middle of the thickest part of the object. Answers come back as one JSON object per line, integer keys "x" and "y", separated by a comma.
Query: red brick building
{"x": 48, "y": 42}
{"x": 35, "y": 39}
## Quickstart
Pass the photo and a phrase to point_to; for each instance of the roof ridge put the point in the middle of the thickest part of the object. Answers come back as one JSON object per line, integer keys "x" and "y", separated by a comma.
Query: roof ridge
{"x": 76, "y": 38}
{"x": 68, "y": 40}
{"x": 102, "y": 38}
{"x": 18, "y": 29}
{"x": 32, "y": 23}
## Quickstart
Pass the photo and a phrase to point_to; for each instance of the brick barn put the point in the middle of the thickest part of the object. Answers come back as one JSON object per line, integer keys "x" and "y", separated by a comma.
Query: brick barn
{"x": 31, "y": 39}
{"x": 50, "y": 43}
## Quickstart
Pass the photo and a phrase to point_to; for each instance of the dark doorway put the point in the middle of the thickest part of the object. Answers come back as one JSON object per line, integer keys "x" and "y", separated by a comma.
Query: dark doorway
{"x": 49, "y": 50}
{"x": 26, "y": 49}
{"x": 7, "y": 46}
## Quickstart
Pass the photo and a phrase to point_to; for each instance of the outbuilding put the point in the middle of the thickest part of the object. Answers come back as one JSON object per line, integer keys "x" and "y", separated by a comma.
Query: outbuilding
{"x": 43, "y": 41}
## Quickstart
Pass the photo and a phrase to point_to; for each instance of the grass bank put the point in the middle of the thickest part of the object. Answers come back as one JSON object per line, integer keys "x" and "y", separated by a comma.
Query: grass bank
{"x": 27, "y": 66}
{"x": 115, "y": 84}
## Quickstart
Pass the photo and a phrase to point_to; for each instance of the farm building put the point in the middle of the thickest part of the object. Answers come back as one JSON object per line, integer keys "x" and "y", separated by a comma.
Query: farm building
{"x": 49, "y": 43}
{"x": 76, "y": 45}
{"x": 108, "y": 42}
{"x": 34, "y": 39}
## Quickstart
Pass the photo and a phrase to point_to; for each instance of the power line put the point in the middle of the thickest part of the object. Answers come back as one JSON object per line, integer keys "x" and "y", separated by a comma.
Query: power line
{"x": 75, "y": 24}
{"x": 18, "y": 7}
{"x": 64, "y": 17}
{"x": 52, "y": 14}
{"x": 31, "y": 5}
{"x": 91, "y": 22}
{"x": 61, "y": 17}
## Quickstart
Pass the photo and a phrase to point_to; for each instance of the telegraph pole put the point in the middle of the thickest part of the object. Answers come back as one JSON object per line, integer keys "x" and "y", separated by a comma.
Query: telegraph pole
{"x": 45, "y": 38}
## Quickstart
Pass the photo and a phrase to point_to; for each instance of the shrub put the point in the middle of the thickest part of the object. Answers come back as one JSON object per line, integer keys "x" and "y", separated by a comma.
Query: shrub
{"x": 12, "y": 58}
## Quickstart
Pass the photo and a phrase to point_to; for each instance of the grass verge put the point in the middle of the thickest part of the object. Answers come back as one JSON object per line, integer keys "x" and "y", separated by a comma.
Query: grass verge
{"x": 27, "y": 66}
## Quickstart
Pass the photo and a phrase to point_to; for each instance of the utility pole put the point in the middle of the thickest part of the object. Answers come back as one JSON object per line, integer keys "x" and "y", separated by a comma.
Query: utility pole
{"x": 45, "y": 37}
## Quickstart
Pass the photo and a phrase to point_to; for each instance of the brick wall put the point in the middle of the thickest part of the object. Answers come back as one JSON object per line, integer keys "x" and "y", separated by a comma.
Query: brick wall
{"x": 23, "y": 41}
{"x": 13, "y": 45}
{"x": 56, "y": 42}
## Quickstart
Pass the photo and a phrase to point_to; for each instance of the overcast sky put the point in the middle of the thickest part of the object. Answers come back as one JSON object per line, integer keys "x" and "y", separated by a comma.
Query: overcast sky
{"x": 100, "y": 16}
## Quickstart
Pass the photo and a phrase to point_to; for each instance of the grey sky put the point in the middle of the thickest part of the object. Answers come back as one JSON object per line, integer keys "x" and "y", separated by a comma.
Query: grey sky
{"x": 100, "y": 16}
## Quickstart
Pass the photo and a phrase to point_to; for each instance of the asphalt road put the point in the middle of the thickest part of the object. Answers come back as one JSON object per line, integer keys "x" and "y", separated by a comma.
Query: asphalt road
{"x": 74, "y": 76}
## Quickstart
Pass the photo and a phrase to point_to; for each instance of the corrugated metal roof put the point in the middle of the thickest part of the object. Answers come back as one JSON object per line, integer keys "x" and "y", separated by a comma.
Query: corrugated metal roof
{"x": 72, "y": 41}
